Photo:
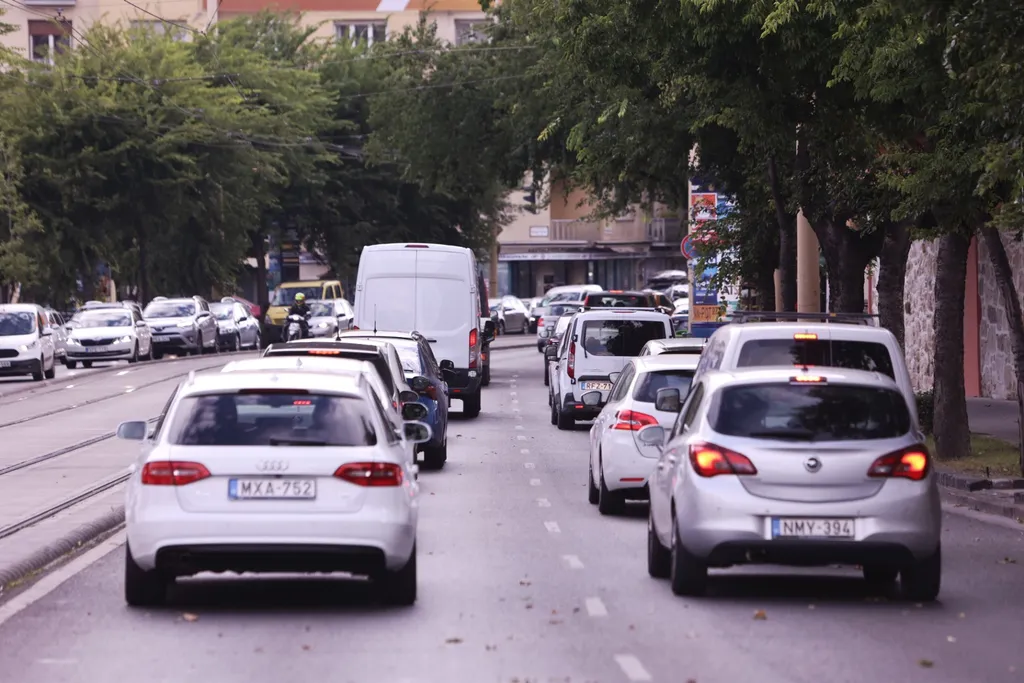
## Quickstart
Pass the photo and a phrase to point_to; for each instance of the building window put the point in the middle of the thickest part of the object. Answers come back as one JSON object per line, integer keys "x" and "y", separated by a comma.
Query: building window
{"x": 162, "y": 28}
{"x": 361, "y": 32}
{"x": 469, "y": 31}
{"x": 48, "y": 38}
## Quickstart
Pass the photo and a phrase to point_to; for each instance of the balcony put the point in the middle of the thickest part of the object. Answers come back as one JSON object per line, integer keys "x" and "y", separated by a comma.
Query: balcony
{"x": 665, "y": 232}
{"x": 48, "y": 3}
{"x": 568, "y": 230}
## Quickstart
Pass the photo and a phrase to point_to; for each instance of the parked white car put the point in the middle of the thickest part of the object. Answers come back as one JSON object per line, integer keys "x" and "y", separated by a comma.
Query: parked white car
{"x": 105, "y": 334}
{"x": 26, "y": 342}
{"x": 271, "y": 472}
{"x": 795, "y": 466}
{"x": 693, "y": 346}
{"x": 620, "y": 464}
{"x": 598, "y": 343}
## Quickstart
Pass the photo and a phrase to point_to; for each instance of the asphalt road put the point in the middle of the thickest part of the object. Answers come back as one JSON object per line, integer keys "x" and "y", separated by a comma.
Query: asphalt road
{"x": 522, "y": 580}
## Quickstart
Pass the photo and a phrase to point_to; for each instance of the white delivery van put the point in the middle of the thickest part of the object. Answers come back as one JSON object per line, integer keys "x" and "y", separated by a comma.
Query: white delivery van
{"x": 430, "y": 289}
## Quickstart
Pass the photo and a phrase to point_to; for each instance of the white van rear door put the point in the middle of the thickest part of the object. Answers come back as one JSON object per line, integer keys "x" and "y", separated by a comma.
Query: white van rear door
{"x": 445, "y": 313}
{"x": 386, "y": 298}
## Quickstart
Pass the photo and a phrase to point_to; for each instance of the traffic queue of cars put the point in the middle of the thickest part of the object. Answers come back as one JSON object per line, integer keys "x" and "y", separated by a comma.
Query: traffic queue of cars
{"x": 305, "y": 459}
{"x": 792, "y": 442}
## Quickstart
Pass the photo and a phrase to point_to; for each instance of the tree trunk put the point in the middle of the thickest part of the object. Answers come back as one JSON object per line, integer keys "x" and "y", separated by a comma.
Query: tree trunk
{"x": 787, "y": 239}
{"x": 847, "y": 254}
{"x": 143, "y": 267}
{"x": 766, "y": 291}
{"x": 259, "y": 251}
{"x": 892, "y": 279}
{"x": 951, "y": 430}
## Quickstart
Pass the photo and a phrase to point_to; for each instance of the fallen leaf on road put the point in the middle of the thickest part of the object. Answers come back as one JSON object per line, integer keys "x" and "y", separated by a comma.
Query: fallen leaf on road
{"x": 632, "y": 627}
{"x": 259, "y": 649}
{"x": 951, "y": 639}
{"x": 760, "y": 615}
{"x": 554, "y": 622}
{"x": 925, "y": 663}
{"x": 529, "y": 606}
{"x": 490, "y": 648}
{"x": 453, "y": 641}
{"x": 554, "y": 611}
{"x": 575, "y": 610}
{"x": 691, "y": 680}
{"x": 524, "y": 582}
{"x": 962, "y": 615}
{"x": 1007, "y": 560}
{"x": 188, "y": 616}
{"x": 307, "y": 648}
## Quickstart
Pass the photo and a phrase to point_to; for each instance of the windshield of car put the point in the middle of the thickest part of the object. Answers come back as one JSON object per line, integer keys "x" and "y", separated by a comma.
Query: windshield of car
{"x": 621, "y": 337}
{"x": 272, "y": 419}
{"x": 651, "y": 383}
{"x": 322, "y": 309}
{"x": 617, "y": 300}
{"x": 103, "y": 318}
{"x": 561, "y": 296}
{"x": 853, "y": 355}
{"x": 285, "y": 296}
{"x": 563, "y": 324}
{"x": 223, "y": 311}
{"x": 170, "y": 309}
{"x": 15, "y": 323}
{"x": 562, "y": 309}
{"x": 811, "y": 412}
{"x": 409, "y": 354}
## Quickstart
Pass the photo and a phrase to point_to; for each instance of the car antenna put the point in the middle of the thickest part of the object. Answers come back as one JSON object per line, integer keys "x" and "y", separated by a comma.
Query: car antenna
{"x": 375, "y": 318}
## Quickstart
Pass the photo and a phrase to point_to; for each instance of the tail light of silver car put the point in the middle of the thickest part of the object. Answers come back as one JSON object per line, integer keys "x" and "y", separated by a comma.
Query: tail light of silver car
{"x": 370, "y": 474}
{"x": 911, "y": 463}
{"x": 173, "y": 473}
{"x": 632, "y": 420}
{"x": 709, "y": 460}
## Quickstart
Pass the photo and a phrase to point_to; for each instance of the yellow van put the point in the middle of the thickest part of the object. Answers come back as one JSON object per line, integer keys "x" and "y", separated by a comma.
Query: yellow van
{"x": 284, "y": 296}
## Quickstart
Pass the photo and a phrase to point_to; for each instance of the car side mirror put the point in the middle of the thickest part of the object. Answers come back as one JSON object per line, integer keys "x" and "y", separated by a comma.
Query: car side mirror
{"x": 132, "y": 431}
{"x": 447, "y": 366}
{"x": 46, "y": 332}
{"x": 614, "y": 376}
{"x": 408, "y": 396}
{"x": 414, "y": 411}
{"x": 419, "y": 384}
{"x": 668, "y": 400}
{"x": 489, "y": 330}
{"x": 652, "y": 435}
{"x": 417, "y": 432}
{"x": 550, "y": 351}
{"x": 140, "y": 323}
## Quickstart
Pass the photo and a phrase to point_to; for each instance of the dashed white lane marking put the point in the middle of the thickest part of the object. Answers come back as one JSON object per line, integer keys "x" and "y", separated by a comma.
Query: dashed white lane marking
{"x": 529, "y": 465}
{"x": 515, "y": 375}
{"x": 573, "y": 561}
{"x": 512, "y": 393}
{"x": 632, "y": 667}
{"x": 552, "y": 527}
{"x": 70, "y": 386}
{"x": 524, "y": 451}
{"x": 47, "y": 660}
{"x": 521, "y": 437}
{"x": 543, "y": 502}
{"x": 515, "y": 410}
{"x": 129, "y": 390}
{"x": 122, "y": 373}
{"x": 519, "y": 427}
{"x": 535, "y": 482}
{"x": 596, "y": 608}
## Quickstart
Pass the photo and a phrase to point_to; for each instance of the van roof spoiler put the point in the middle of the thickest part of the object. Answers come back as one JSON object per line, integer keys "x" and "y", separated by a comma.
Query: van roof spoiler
{"x": 869, "y": 319}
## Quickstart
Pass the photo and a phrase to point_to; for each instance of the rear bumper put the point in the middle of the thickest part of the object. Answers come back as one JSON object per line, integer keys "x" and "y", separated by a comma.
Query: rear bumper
{"x": 624, "y": 467}
{"x": 270, "y": 557}
{"x": 578, "y": 411}
{"x": 465, "y": 381}
{"x": 719, "y": 519}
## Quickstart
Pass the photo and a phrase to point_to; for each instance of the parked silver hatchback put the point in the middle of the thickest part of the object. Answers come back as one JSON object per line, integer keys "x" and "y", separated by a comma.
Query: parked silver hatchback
{"x": 805, "y": 467}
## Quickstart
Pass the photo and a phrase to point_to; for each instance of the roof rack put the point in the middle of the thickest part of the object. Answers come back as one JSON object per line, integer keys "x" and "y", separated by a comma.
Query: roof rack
{"x": 789, "y": 316}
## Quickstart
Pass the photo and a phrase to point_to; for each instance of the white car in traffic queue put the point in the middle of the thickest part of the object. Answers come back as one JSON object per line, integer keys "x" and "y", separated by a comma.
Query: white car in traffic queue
{"x": 293, "y": 472}
{"x": 795, "y": 466}
{"x": 620, "y": 464}
{"x": 676, "y": 345}
{"x": 107, "y": 334}
{"x": 26, "y": 342}
{"x": 399, "y": 414}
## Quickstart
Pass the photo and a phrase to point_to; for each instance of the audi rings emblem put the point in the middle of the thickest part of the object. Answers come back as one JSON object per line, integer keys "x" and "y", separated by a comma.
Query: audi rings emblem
{"x": 272, "y": 466}
{"x": 812, "y": 464}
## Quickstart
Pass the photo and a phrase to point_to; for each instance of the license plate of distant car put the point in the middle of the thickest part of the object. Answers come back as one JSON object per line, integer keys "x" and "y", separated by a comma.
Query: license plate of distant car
{"x": 271, "y": 489}
{"x": 789, "y": 527}
{"x": 5, "y": 363}
{"x": 96, "y": 349}
{"x": 596, "y": 386}
{"x": 161, "y": 337}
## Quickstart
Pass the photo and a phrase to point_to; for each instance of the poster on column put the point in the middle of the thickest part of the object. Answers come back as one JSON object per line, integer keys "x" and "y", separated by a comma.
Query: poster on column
{"x": 703, "y": 208}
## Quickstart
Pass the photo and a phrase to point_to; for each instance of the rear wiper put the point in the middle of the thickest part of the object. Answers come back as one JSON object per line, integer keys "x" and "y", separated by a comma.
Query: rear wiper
{"x": 782, "y": 434}
{"x": 296, "y": 442}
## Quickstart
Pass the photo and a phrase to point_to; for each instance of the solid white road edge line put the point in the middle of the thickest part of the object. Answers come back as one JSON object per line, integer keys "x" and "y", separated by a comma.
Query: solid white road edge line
{"x": 632, "y": 667}
{"x": 596, "y": 608}
{"x": 52, "y": 581}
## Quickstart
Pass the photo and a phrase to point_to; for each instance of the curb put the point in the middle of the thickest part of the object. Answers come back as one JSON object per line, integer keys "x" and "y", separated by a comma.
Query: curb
{"x": 43, "y": 557}
{"x": 1008, "y": 510}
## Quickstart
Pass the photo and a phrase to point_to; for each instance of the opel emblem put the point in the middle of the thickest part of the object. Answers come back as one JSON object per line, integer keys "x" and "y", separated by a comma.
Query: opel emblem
{"x": 812, "y": 464}
{"x": 272, "y": 466}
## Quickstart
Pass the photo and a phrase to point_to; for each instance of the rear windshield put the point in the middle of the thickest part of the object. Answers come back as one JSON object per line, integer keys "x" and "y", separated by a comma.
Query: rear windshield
{"x": 676, "y": 350}
{"x": 255, "y": 419}
{"x": 853, "y": 355}
{"x": 821, "y": 412}
{"x": 614, "y": 300}
{"x": 650, "y": 384}
{"x": 379, "y": 362}
{"x": 620, "y": 336}
{"x": 558, "y": 310}
{"x": 563, "y": 324}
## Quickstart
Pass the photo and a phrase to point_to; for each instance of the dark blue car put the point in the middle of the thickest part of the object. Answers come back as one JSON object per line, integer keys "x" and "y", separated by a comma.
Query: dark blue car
{"x": 426, "y": 378}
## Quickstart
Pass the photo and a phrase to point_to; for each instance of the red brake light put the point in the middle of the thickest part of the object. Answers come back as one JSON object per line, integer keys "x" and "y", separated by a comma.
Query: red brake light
{"x": 173, "y": 473}
{"x": 355, "y": 327}
{"x": 540, "y": 322}
{"x": 805, "y": 336}
{"x": 571, "y": 367}
{"x": 324, "y": 352}
{"x": 370, "y": 474}
{"x": 474, "y": 337}
{"x": 911, "y": 463}
{"x": 709, "y": 460}
{"x": 808, "y": 379}
{"x": 633, "y": 421}
{"x": 302, "y": 403}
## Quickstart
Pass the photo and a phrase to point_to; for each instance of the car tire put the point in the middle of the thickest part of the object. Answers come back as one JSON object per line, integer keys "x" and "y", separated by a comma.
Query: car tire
{"x": 471, "y": 405}
{"x": 565, "y": 422}
{"x": 399, "y": 588}
{"x": 258, "y": 342}
{"x": 608, "y": 502}
{"x": 200, "y": 350}
{"x": 659, "y": 558}
{"x": 38, "y": 375}
{"x": 593, "y": 494}
{"x": 86, "y": 364}
{"x": 435, "y": 458}
{"x": 71, "y": 364}
{"x": 52, "y": 372}
{"x": 689, "y": 576}
{"x": 921, "y": 580}
{"x": 554, "y": 411}
{"x": 135, "y": 355}
{"x": 237, "y": 345}
{"x": 526, "y": 327}
{"x": 486, "y": 379}
{"x": 547, "y": 380}
{"x": 501, "y": 327}
{"x": 880, "y": 576}
{"x": 143, "y": 588}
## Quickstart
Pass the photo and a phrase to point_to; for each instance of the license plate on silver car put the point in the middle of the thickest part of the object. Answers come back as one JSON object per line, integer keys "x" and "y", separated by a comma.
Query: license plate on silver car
{"x": 271, "y": 489}
{"x": 596, "y": 386}
{"x": 791, "y": 527}
{"x": 5, "y": 363}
